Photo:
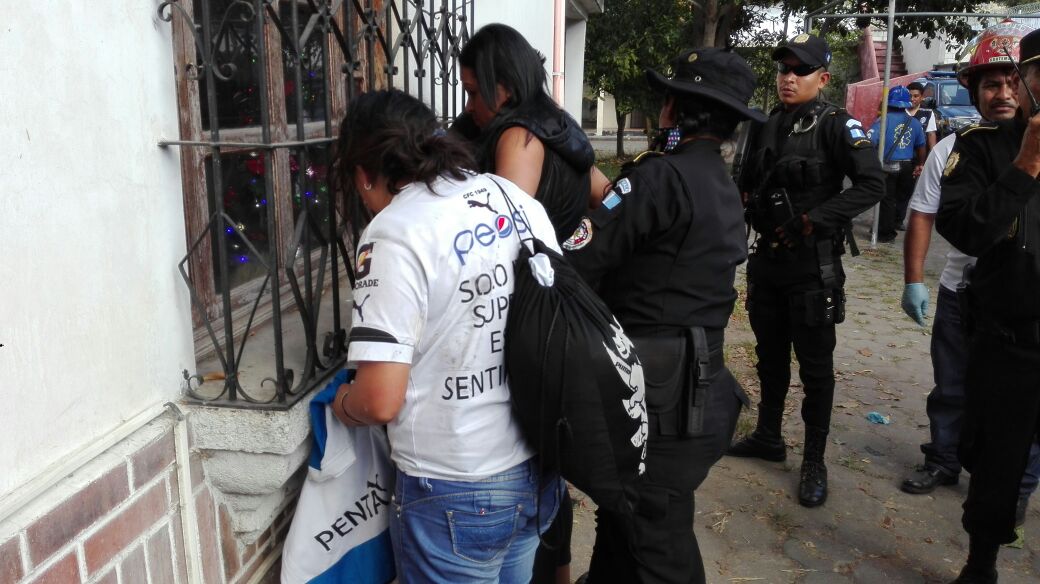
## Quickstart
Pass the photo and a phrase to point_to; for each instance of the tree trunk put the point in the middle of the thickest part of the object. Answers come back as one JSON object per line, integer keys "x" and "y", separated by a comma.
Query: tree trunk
{"x": 620, "y": 132}
{"x": 711, "y": 22}
{"x": 724, "y": 24}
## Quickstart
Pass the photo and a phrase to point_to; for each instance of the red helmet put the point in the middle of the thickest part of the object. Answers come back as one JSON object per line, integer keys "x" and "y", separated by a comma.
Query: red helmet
{"x": 994, "y": 47}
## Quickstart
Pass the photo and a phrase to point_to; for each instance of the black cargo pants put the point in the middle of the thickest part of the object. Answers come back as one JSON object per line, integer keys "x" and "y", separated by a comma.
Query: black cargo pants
{"x": 775, "y": 305}
{"x": 660, "y": 546}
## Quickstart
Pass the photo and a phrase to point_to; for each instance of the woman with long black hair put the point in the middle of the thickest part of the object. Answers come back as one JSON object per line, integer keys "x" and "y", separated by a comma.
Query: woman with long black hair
{"x": 520, "y": 133}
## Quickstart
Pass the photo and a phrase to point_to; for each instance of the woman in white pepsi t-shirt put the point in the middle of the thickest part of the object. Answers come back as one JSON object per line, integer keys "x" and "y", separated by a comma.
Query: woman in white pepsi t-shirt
{"x": 434, "y": 281}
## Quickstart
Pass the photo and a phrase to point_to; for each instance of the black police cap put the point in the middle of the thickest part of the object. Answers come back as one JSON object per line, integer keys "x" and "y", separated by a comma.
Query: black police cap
{"x": 809, "y": 49}
{"x": 716, "y": 74}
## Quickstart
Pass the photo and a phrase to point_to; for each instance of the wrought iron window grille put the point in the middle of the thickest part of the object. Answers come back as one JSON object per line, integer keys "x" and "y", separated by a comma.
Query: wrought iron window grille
{"x": 285, "y": 140}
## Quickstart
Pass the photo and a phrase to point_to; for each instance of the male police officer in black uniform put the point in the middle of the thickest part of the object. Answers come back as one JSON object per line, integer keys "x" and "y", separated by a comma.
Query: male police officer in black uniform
{"x": 662, "y": 250}
{"x": 990, "y": 208}
{"x": 795, "y": 276}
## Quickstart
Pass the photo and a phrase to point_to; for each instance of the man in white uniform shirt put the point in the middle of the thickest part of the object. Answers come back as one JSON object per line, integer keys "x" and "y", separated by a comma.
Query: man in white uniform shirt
{"x": 923, "y": 115}
{"x": 992, "y": 87}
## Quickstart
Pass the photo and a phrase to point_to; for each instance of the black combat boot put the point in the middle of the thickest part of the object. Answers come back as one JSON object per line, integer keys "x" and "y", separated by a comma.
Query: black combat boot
{"x": 765, "y": 442}
{"x": 982, "y": 562}
{"x": 970, "y": 575}
{"x": 812, "y": 488}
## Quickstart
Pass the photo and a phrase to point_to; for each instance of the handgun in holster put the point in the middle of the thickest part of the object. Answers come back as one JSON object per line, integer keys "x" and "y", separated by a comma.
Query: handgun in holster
{"x": 964, "y": 300}
{"x": 696, "y": 395}
{"x": 677, "y": 372}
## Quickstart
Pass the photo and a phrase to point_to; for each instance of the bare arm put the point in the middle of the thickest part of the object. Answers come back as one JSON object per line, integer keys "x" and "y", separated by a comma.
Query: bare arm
{"x": 519, "y": 156}
{"x": 931, "y": 140}
{"x": 600, "y": 185}
{"x": 376, "y": 395}
{"x": 915, "y": 245}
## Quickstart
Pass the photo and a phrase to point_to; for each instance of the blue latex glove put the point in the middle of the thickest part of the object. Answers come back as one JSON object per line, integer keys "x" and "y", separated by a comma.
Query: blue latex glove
{"x": 915, "y": 301}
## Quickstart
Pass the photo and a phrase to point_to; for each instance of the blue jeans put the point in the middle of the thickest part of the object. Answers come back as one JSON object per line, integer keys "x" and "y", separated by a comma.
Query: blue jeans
{"x": 946, "y": 402}
{"x": 483, "y": 531}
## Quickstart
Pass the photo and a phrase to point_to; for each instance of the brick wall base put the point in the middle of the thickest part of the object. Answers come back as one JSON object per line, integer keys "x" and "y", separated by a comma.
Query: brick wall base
{"x": 118, "y": 520}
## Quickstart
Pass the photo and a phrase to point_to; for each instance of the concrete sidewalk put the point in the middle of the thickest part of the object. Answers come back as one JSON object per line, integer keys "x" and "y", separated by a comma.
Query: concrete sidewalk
{"x": 749, "y": 523}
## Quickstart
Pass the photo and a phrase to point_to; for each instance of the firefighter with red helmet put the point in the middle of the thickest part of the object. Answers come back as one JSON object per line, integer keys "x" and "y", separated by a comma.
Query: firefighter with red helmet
{"x": 989, "y": 209}
{"x": 989, "y": 79}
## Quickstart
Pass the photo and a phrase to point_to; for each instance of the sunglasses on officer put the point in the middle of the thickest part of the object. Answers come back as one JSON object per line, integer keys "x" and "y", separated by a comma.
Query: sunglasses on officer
{"x": 800, "y": 70}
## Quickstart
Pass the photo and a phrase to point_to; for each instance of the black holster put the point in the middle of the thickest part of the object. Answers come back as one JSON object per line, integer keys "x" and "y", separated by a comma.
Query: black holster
{"x": 964, "y": 302}
{"x": 825, "y": 306}
{"x": 677, "y": 370}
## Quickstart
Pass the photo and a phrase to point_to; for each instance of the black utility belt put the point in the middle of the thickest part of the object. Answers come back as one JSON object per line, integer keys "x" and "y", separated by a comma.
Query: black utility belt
{"x": 1019, "y": 333}
{"x": 976, "y": 321}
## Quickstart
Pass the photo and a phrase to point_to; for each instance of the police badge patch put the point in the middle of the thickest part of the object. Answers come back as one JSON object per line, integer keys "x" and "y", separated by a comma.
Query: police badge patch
{"x": 951, "y": 163}
{"x": 581, "y": 236}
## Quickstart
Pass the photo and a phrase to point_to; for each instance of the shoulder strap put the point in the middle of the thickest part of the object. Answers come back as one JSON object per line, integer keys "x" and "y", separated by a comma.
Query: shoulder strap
{"x": 514, "y": 214}
{"x": 897, "y": 139}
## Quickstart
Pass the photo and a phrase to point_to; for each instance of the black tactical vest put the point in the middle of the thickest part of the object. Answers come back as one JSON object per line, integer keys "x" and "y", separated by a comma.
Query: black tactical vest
{"x": 798, "y": 161}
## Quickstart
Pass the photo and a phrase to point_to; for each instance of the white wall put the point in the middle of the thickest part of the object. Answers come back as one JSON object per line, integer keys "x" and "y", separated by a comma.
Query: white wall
{"x": 921, "y": 58}
{"x": 94, "y": 320}
{"x": 532, "y": 18}
{"x": 574, "y": 66}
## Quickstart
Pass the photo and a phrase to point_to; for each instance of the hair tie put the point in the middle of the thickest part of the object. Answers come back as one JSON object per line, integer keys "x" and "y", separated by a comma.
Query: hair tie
{"x": 440, "y": 133}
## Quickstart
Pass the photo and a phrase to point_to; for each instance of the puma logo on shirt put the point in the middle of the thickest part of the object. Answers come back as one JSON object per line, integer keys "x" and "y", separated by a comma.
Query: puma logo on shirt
{"x": 486, "y": 205}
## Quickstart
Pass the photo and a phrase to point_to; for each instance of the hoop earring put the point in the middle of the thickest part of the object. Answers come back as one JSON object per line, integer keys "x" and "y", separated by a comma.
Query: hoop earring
{"x": 368, "y": 186}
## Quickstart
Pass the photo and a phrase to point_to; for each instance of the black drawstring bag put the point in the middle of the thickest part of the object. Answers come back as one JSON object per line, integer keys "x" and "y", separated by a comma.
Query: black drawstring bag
{"x": 576, "y": 383}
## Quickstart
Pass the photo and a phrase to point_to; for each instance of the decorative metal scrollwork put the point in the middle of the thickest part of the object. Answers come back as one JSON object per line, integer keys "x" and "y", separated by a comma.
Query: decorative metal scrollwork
{"x": 396, "y": 45}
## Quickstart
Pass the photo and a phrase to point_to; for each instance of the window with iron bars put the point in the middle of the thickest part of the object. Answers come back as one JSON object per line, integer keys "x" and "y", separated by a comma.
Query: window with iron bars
{"x": 261, "y": 87}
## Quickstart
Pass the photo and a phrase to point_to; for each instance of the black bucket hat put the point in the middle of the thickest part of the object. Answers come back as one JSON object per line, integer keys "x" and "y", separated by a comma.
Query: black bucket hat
{"x": 717, "y": 74}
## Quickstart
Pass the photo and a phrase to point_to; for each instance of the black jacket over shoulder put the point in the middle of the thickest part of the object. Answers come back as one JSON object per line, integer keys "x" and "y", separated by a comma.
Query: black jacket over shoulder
{"x": 826, "y": 145}
{"x": 990, "y": 209}
{"x": 563, "y": 188}
{"x": 663, "y": 248}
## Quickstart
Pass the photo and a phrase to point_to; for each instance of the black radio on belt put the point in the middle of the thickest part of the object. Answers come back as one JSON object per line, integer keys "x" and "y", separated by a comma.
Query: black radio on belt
{"x": 770, "y": 209}
{"x": 779, "y": 207}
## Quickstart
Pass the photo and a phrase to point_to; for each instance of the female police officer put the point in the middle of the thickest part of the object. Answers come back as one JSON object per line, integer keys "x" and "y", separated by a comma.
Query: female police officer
{"x": 662, "y": 250}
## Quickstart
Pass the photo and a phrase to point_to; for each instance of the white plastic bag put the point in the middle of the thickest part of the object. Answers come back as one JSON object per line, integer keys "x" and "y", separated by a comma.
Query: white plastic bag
{"x": 341, "y": 529}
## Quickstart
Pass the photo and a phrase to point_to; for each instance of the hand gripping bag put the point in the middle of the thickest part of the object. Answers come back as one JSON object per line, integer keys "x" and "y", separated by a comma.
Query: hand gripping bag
{"x": 575, "y": 381}
{"x": 340, "y": 530}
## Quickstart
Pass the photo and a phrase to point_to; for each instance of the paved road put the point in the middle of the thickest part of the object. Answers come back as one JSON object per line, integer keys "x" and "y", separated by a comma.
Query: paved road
{"x": 749, "y": 523}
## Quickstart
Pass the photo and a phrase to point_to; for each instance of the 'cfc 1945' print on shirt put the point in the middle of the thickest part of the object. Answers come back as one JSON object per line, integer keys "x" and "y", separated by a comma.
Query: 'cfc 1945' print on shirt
{"x": 487, "y": 234}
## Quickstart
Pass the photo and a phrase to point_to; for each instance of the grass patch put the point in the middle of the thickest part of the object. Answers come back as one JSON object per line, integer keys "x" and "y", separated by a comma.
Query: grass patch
{"x": 612, "y": 166}
{"x": 852, "y": 463}
{"x": 745, "y": 425}
{"x": 782, "y": 520}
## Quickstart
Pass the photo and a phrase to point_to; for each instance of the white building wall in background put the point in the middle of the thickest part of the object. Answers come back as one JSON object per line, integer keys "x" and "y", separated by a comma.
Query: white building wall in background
{"x": 532, "y": 18}
{"x": 919, "y": 57}
{"x": 574, "y": 67}
{"x": 96, "y": 323}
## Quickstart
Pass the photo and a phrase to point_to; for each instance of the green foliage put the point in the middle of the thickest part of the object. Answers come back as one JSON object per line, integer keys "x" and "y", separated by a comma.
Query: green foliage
{"x": 957, "y": 30}
{"x": 629, "y": 37}
{"x": 634, "y": 35}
